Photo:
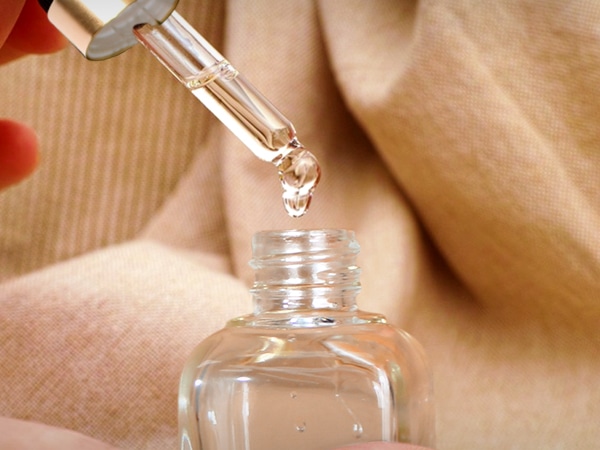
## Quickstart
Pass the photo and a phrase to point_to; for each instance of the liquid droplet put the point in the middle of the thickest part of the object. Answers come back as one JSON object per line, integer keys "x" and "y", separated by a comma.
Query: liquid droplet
{"x": 293, "y": 395}
{"x": 301, "y": 428}
{"x": 296, "y": 205}
{"x": 299, "y": 173}
{"x": 358, "y": 430}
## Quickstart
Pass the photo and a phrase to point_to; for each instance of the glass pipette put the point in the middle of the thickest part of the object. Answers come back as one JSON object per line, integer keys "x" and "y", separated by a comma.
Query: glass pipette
{"x": 102, "y": 28}
{"x": 233, "y": 100}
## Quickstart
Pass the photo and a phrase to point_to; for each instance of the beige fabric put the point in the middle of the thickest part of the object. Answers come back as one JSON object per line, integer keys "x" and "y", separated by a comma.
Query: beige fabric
{"x": 458, "y": 138}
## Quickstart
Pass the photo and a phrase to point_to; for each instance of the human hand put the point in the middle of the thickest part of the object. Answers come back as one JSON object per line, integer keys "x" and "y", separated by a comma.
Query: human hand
{"x": 21, "y": 435}
{"x": 24, "y": 29}
{"x": 382, "y": 446}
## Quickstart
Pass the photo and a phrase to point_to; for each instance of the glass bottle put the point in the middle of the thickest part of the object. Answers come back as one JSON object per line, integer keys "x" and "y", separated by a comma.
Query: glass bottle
{"x": 307, "y": 370}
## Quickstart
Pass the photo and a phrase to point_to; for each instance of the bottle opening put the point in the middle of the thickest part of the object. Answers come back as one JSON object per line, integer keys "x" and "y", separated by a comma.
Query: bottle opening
{"x": 280, "y": 243}
{"x": 305, "y": 269}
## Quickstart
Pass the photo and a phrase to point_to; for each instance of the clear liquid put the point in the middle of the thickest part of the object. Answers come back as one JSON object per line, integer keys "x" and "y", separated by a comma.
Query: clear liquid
{"x": 299, "y": 173}
{"x": 260, "y": 409}
{"x": 317, "y": 390}
{"x": 265, "y": 131}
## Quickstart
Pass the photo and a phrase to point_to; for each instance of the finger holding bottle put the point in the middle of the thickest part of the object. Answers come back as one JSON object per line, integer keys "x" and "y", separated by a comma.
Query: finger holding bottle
{"x": 382, "y": 446}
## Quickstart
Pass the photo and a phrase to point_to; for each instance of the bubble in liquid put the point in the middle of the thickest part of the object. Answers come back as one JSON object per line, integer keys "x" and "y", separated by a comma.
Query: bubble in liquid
{"x": 358, "y": 430}
{"x": 301, "y": 428}
{"x": 293, "y": 395}
{"x": 222, "y": 69}
{"x": 291, "y": 338}
{"x": 299, "y": 173}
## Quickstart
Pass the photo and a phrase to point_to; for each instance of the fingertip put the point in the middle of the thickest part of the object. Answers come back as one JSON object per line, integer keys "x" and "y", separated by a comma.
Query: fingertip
{"x": 33, "y": 32}
{"x": 18, "y": 152}
{"x": 383, "y": 446}
{"x": 20, "y": 434}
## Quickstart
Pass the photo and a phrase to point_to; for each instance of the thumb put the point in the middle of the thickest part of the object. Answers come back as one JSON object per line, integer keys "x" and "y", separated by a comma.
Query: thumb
{"x": 18, "y": 152}
{"x": 33, "y": 32}
{"x": 24, "y": 29}
{"x": 382, "y": 446}
{"x": 18, "y": 434}
{"x": 9, "y": 12}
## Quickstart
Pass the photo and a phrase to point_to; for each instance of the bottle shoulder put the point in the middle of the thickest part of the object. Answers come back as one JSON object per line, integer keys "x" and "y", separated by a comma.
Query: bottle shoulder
{"x": 317, "y": 335}
{"x": 380, "y": 366}
{"x": 309, "y": 319}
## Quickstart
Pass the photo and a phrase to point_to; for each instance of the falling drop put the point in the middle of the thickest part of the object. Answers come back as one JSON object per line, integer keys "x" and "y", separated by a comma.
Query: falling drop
{"x": 296, "y": 205}
{"x": 299, "y": 173}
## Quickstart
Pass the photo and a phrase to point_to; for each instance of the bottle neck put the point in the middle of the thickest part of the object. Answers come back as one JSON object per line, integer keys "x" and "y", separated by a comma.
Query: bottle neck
{"x": 305, "y": 270}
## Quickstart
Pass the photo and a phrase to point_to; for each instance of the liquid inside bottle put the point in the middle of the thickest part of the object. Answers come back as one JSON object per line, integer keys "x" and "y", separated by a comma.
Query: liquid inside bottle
{"x": 307, "y": 370}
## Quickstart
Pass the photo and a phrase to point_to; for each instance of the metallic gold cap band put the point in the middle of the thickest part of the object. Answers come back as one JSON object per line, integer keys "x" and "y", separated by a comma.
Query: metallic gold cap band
{"x": 101, "y": 29}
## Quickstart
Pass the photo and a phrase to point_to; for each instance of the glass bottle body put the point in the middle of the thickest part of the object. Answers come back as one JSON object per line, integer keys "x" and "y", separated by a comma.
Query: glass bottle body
{"x": 318, "y": 375}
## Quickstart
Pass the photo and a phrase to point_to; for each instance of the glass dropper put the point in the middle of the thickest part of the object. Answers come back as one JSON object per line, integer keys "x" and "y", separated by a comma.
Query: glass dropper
{"x": 101, "y": 29}
{"x": 234, "y": 101}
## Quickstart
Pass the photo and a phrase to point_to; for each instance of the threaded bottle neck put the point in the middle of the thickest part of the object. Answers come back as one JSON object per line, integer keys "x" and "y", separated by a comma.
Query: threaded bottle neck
{"x": 305, "y": 270}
